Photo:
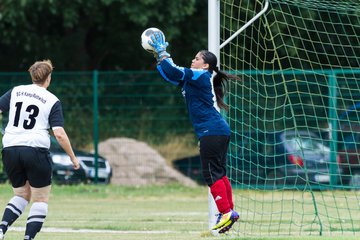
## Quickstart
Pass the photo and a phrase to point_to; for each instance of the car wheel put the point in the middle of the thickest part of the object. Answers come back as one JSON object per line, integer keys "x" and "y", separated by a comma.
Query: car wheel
{"x": 107, "y": 180}
{"x": 354, "y": 181}
{"x": 275, "y": 180}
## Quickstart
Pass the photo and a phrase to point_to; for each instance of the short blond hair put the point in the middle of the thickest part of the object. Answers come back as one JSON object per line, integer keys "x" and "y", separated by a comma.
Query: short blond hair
{"x": 40, "y": 71}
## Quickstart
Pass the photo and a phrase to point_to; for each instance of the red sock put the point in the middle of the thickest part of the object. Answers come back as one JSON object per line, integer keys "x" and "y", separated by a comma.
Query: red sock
{"x": 228, "y": 191}
{"x": 218, "y": 191}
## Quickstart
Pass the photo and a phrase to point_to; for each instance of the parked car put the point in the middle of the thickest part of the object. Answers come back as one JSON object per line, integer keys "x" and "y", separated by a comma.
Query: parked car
{"x": 190, "y": 167}
{"x": 349, "y": 146}
{"x": 63, "y": 171}
{"x": 349, "y": 151}
{"x": 287, "y": 159}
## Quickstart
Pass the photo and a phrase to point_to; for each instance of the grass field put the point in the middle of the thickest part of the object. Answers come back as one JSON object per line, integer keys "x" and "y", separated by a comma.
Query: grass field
{"x": 112, "y": 212}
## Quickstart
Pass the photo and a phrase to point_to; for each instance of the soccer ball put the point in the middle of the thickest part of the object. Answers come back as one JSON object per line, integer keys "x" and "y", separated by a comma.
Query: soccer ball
{"x": 145, "y": 37}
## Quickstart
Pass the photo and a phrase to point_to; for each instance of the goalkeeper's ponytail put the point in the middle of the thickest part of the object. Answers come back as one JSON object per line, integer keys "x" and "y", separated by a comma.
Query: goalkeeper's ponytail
{"x": 219, "y": 80}
{"x": 219, "y": 84}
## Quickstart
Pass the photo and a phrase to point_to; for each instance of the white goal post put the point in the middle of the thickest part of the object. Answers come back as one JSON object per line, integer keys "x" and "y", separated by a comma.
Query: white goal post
{"x": 214, "y": 46}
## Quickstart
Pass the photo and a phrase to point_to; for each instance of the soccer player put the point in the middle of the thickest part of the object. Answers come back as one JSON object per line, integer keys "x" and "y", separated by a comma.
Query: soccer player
{"x": 33, "y": 110}
{"x": 211, "y": 129}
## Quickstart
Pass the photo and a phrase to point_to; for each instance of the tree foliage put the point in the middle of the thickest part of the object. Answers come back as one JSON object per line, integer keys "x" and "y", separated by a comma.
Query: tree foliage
{"x": 96, "y": 34}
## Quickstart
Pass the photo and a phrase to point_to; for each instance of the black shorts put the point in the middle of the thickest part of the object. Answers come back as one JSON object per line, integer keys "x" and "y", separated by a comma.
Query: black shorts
{"x": 31, "y": 164}
{"x": 213, "y": 151}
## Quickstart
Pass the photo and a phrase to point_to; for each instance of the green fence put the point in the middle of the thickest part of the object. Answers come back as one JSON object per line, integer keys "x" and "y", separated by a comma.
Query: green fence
{"x": 140, "y": 105}
{"x": 137, "y": 105}
{"x": 102, "y": 105}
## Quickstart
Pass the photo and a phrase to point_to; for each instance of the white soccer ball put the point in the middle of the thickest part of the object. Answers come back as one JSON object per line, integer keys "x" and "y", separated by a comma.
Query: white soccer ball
{"x": 145, "y": 37}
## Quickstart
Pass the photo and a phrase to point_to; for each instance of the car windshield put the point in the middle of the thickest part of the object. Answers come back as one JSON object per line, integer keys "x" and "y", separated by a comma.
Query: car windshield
{"x": 301, "y": 143}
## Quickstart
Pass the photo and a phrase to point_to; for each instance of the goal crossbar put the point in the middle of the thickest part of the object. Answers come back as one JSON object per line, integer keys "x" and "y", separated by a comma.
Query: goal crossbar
{"x": 266, "y": 6}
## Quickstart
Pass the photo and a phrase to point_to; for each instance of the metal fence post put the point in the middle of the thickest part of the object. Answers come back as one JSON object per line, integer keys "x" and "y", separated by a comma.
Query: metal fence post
{"x": 96, "y": 121}
{"x": 333, "y": 129}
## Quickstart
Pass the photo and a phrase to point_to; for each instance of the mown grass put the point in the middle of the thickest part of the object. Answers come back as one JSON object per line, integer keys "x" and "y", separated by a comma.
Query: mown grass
{"x": 149, "y": 212}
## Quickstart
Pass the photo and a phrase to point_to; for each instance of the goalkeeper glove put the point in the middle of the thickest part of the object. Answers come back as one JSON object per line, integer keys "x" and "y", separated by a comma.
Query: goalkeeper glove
{"x": 158, "y": 43}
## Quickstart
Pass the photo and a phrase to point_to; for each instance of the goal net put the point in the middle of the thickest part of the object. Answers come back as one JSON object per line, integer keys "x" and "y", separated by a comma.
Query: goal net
{"x": 294, "y": 157}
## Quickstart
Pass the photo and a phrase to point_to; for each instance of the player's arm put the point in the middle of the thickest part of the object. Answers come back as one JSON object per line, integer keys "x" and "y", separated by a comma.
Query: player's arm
{"x": 56, "y": 121}
{"x": 63, "y": 140}
{"x": 175, "y": 74}
{"x": 170, "y": 72}
{"x": 166, "y": 67}
{"x": 5, "y": 101}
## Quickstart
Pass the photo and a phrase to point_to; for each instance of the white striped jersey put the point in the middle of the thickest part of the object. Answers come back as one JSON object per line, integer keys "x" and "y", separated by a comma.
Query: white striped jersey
{"x": 33, "y": 110}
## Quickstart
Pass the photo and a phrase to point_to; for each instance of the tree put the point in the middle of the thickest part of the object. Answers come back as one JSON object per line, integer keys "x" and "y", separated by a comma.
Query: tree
{"x": 96, "y": 34}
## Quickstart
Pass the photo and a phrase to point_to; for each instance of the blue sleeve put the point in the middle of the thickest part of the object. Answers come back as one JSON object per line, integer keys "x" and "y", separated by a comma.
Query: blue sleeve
{"x": 56, "y": 118}
{"x": 166, "y": 78}
{"x": 5, "y": 101}
{"x": 178, "y": 75}
{"x": 170, "y": 72}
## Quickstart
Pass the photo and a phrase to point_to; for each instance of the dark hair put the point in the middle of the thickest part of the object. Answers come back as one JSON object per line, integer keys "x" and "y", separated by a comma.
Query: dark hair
{"x": 219, "y": 80}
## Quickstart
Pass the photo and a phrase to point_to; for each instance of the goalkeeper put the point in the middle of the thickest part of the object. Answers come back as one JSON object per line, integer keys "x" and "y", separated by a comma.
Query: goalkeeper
{"x": 211, "y": 129}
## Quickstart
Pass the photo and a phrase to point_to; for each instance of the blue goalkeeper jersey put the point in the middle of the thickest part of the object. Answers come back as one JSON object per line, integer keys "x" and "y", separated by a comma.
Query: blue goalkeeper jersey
{"x": 198, "y": 93}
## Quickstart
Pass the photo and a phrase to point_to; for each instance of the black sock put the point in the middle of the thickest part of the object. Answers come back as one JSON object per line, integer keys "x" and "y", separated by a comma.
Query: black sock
{"x": 13, "y": 210}
{"x": 36, "y": 218}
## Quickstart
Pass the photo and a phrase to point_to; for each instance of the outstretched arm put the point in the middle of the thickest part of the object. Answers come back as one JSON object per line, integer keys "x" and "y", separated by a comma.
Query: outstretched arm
{"x": 166, "y": 67}
{"x": 170, "y": 72}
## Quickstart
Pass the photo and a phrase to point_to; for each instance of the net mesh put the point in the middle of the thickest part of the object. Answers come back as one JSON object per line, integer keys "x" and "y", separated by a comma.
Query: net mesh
{"x": 295, "y": 148}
